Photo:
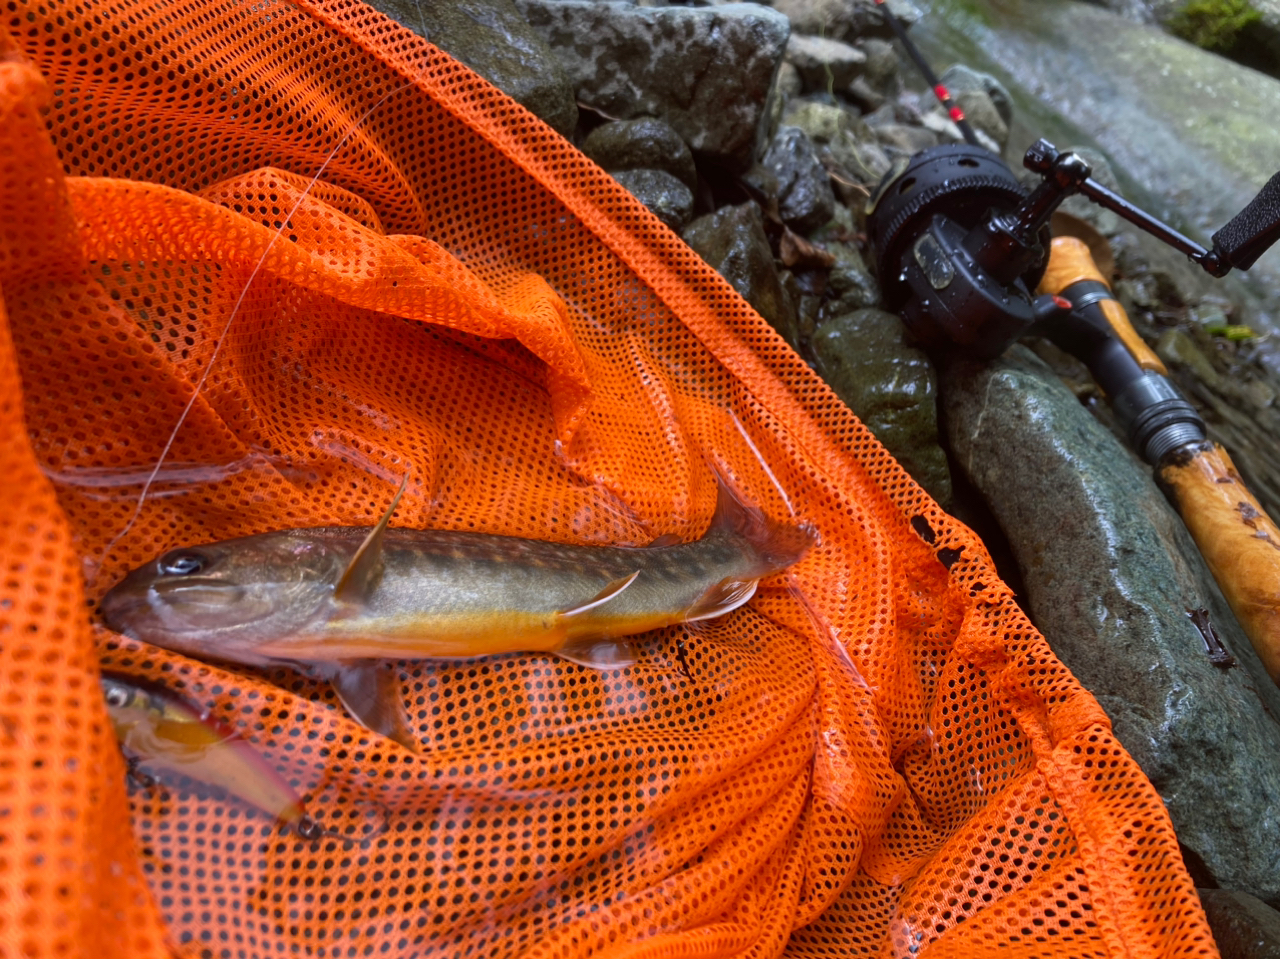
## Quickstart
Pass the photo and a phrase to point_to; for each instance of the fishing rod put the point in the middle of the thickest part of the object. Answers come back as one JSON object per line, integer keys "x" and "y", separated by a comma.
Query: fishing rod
{"x": 965, "y": 255}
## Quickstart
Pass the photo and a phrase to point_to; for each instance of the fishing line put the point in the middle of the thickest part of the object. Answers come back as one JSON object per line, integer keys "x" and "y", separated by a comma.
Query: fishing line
{"x": 763, "y": 464}
{"x": 244, "y": 292}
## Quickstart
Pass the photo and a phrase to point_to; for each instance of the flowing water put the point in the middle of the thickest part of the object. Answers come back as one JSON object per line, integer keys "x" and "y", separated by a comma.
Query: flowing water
{"x": 1193, "y": 136}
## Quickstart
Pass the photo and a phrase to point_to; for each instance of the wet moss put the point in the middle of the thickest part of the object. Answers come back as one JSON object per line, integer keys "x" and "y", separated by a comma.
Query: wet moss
{"x": 1214, "y": 24}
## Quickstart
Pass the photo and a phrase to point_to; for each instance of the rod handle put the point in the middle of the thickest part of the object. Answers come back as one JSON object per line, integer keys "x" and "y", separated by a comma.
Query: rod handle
{"x": 1239, "y": 541}
{"x": 1070, "y": 263}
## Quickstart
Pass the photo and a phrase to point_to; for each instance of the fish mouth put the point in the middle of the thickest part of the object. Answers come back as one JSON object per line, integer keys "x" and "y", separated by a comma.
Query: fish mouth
{"x": 118, "y": 607}
{"x": 171, "y": 608}
{"x": 201, "y": 591}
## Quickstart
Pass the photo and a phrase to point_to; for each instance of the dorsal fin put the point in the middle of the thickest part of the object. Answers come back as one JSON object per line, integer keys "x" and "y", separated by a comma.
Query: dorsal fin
{"x": 610, "y": 592}
{"x": 353, "y": 585}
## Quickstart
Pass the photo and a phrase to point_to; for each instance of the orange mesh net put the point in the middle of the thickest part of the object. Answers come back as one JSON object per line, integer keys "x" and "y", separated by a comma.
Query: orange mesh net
{"x": 877, "y": 756}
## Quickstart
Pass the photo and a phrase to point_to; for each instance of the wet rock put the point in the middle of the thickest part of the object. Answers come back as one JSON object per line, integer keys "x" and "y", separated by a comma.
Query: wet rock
{"x": 962, "y": 79}
{"x": 905, "y": 139}
{"x": 666, "y": 197}
{"x": 824, "y": 64}
{"x": 732, "y": 240}
{"x": 843, "y": 19}
{"x": 706, "y": 71}
{"x": 805, "y": 199}
{"x": 644, "y": 144}
{"x": 1247, "y": 31}
{"x": 1243, "y": 926}
{"x": 865, "y": 358}
{"x": 883, "y": 70}
{"x": 981, "y": 112}
{"x": 493, "y": 38}
{"x": 1109, "y": 571}
{"x": 846, "y": 146}
{"x": 864, "y": 96}
{"x": 789, "y": 83}
{"x": 850, "y": 284}
{"x": 822, "y": 122}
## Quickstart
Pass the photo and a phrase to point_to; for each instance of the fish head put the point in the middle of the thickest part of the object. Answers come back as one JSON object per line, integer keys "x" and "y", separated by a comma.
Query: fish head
{"x": 225, "y": 600}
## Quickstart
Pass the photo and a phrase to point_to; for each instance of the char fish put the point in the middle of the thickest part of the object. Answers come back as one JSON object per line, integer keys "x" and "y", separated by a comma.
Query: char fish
{"x": 337, "y": 601}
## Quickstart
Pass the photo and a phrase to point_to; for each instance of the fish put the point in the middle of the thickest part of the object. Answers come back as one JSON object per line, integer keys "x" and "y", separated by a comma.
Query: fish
{"x": 337, "y": 602}
{"x": 162, "y": 733}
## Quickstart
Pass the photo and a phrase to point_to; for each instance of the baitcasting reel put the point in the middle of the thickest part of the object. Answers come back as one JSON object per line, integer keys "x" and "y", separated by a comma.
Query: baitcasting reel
{"x": 964, "y": 255}
{"x": 961, "y": 249}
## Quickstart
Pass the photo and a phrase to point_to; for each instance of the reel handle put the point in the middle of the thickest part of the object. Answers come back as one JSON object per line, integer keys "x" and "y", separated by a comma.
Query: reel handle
{"x": 1239, "y": 542}
{"x": 1251, "y": 232}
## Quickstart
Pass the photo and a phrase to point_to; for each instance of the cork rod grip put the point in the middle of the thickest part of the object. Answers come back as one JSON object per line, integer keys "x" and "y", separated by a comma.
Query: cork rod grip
{"x": 1238, "y": 540}
{"x": 1070, "y": 262}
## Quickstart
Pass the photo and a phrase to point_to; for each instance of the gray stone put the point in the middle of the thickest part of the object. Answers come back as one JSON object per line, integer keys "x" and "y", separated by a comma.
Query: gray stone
{"x": 850, "y": 285}
{"x": 1243, "y": 926}
{"x": 789, "y": 83}
{"x": 666, "y": 197}
{"x": 494, "y": 40}
{"x": 843, "y": 19}
{"x": 823, "y": 122}
{"x": 883, "y": 69}
{"x": 855, "y": 161}
{"x": 805, "y": 198}
{"x": 846, "y": 145}
{"x": 865, "y": 358}
{"x": 644, "y": 144}
{"x": 733, "y": 241}
{"x": 905, "y": 139}
{"x": 823, "y": 63}
{"x": 864, "y": 96}
{"x": 962, "y": 79}
{"x": 983, "y": 116}
{"x": 706, "y": 71}
{"x": 1109, "y": 571}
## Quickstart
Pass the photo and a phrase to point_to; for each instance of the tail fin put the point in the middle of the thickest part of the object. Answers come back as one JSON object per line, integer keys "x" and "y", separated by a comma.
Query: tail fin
{"x": 775, "y": 545}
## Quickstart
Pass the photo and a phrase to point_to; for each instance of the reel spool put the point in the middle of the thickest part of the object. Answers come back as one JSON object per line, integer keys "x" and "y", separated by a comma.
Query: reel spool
{"x": 959, "y": 182}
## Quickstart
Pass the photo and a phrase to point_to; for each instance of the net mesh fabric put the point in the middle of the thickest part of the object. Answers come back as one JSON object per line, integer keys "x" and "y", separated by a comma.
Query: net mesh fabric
{"x": 877, "y": 756}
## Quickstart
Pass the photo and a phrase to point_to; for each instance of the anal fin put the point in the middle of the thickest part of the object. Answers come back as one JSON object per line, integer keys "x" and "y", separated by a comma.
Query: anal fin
{"x": 598, "y": 653}
{"x": 371, "y": 692}
{"x": 725, "y": 596}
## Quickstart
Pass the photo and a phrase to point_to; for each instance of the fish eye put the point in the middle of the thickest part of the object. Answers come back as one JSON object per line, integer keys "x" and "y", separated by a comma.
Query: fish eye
{"x": 116, "y": 696}
{"x": 182, "y": 563}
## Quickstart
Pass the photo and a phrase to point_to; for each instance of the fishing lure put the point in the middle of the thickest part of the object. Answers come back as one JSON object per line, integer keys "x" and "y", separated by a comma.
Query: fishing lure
{"x": 161, "y": 733}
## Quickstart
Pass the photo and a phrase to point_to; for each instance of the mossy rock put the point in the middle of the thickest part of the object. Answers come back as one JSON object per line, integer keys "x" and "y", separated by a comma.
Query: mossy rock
{"x": 1214, "y": 24}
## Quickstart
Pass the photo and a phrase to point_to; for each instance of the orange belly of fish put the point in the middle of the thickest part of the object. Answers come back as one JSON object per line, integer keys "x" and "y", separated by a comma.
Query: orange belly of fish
{"x": 457, "y": 636}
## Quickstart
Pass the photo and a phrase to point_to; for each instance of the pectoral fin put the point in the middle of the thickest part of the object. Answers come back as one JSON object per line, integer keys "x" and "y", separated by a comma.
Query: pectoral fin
{"x": 371, "y": 692}
{"x": 606, "y": 595}
{"x": 599, "y": 652}
{"x": 358, "y": 577}
{"x": 723, "y": 597}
